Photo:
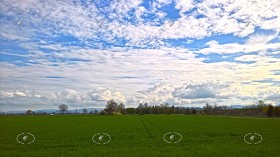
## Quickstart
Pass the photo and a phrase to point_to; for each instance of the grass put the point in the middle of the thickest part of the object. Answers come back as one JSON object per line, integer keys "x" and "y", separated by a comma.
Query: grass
{"x": 139, "y": 136}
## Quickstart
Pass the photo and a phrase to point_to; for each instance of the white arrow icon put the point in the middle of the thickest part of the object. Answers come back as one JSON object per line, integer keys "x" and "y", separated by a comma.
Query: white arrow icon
{"x": 101, "y": 138}
{"x": 172, "y": 137}
{"x": 252, "y": 138}
{"x": 24, "y": 138}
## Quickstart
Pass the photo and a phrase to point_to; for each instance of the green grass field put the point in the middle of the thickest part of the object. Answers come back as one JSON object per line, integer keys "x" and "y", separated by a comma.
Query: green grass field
{"x": 138, "y": 136}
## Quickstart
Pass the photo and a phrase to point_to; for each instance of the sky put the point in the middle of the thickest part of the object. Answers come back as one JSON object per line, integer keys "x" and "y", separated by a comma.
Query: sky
{"x": 83, "y": 53}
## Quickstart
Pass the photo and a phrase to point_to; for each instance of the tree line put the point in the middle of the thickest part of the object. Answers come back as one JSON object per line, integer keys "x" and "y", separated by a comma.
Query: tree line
{"x": 113, "y": 108}
{"x": 261, "y": 109}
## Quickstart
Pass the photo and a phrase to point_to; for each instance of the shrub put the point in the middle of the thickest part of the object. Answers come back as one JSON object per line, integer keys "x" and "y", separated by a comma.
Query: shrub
{"x": 103, "y": 112}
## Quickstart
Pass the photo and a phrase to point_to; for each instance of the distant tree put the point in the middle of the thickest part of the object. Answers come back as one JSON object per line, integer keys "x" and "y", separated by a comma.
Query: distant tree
{"x": 166, "y": 108}
{"x": 140, "y": 109}
{"x": 224, "y": 107}
{"x": 177, "y": 110}
{"x": 188, "y": 111}
{"x": 28, "y": 112}
{"x": 270, "y": 111}
{"x": 216, "y": 107}
{"x": 95, "y": 112}
{"x": 63, "y": 108}
{"x": 120, "y": 108}
{"x": 146, "y": 105}
{"x": 185, "y": 111}
{"x": 146, "y": 108}
{"x": 207, "y": 108}
{"x": 103, "y": 112}
{"x": 156, "y": 109}
{"x": 193, "y": 111}
{"x": 264, "y": 109}
{"x": 111, "y": 107}
{"x": 171, "y": 109}
{"x": 130, "y": 110}
{"x": 162, "y": 108}
{"x": 261, "y": 103}
{"x": 277, "y": 111}
{"x": 85, "y": 111}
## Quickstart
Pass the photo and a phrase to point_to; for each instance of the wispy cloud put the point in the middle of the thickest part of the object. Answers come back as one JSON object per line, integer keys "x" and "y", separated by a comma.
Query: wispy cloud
{"x": 260, "y": 39}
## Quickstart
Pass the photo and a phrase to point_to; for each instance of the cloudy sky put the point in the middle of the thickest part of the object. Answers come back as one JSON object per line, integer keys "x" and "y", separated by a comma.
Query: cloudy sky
{"x": 184, "y": 52}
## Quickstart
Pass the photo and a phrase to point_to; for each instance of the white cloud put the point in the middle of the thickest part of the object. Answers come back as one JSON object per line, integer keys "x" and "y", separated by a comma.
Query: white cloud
{"x": 164, "y": 2}
{"x": 6, "y": 94}
{"x": 139, "y": 12}
{"x": 122, "y": 7}
{"x": 184, "y": 5}
{"x": 256, "y": 58}
{"x": 17, "y": 93}
{"x": 259, "y": 45}
{"x": 82, "y": 22}
{"x": 260, "y": 39}
{"x": 197, "y": 91}
{"x": 13, "y": 36}
{"x": 221, "y": 17}
{"x": 40, "y": 99}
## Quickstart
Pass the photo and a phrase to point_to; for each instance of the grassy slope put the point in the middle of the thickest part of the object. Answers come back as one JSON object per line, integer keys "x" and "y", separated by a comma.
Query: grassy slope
{"x": 139, "y": 136}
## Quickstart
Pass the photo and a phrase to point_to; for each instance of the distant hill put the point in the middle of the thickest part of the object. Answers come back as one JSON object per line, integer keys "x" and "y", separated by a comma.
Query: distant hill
{"x": 236, "y": 106}
{"x": 80, "y": 110}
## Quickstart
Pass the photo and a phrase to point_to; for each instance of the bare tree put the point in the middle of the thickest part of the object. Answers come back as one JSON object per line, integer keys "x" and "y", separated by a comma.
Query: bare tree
{"x": 121, "y": 108}
{"x": 207, "y": 108}
{"x": 111, "y": 107}
{"x": 261, "y": 103}
{"x": 28, "y": 112}
{"x": 63, "y": 108}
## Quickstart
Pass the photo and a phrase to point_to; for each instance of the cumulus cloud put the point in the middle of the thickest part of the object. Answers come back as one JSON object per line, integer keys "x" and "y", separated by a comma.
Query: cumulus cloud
{"x": 195, "y": 91}
{"x": 39, "y": 99}
{"x": 184, "y": 5}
